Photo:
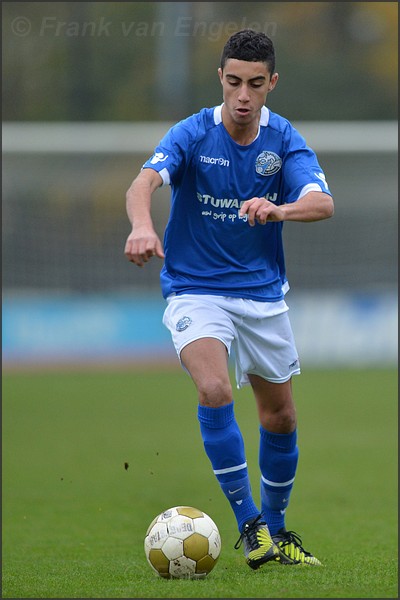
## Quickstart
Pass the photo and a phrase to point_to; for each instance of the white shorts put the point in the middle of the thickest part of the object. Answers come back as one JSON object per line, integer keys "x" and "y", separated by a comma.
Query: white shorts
{"x": 259, "y": 333}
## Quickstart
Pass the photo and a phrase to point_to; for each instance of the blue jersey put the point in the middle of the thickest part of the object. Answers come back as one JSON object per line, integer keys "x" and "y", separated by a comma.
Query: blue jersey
{"x": 209, "y": 248}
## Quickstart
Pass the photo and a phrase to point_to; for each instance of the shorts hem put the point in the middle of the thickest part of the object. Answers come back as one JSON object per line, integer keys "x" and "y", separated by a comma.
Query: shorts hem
{"x": 244, "y": 382}
{"x": 200, "y": 337}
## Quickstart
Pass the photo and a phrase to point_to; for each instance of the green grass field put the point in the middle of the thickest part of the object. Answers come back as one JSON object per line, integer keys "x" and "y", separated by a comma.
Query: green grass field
{"x": 74, "y": 518}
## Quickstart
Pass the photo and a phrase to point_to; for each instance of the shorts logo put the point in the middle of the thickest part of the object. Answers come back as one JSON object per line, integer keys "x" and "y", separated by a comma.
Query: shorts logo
{"x": 268, "y": 163}
{"x": 183, "y": 323}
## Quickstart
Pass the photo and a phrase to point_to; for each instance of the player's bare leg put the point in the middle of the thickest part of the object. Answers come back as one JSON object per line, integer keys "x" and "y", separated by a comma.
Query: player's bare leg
{"x": 276, "y": 409}
{"x": 206, "y": 359}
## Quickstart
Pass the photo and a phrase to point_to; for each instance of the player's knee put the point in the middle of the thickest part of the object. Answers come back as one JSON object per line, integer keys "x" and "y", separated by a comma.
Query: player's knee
{"x": 282, "y": 421}
{"x": 214, "y": 392}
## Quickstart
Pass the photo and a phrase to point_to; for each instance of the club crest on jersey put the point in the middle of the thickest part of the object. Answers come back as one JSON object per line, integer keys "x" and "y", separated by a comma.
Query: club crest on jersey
{"x": 268, "y": 163}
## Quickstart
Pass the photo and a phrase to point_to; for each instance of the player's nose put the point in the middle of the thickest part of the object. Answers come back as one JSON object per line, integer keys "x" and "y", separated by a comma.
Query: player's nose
{"x": 244, "y": 95}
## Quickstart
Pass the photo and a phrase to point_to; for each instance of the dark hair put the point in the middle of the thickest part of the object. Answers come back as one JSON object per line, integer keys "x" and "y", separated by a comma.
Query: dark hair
{"x": 250, "y": 45}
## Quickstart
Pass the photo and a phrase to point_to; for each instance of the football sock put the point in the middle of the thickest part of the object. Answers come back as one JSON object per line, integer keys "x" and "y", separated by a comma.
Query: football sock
{"x": 224, "y": 446}
{"x": 278, "y": 462}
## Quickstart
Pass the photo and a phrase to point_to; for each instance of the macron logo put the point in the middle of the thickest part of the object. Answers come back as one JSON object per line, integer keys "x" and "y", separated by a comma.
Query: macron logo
{"x": 223, "y": 162}
{"x": 158, "y": 157}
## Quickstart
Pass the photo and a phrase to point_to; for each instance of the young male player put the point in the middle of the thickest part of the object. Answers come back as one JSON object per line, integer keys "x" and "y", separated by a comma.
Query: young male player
{"x": 237, "y": 172}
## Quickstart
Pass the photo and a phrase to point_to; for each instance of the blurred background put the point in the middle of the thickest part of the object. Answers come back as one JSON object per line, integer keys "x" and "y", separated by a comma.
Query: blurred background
{"x": 88, "y": 90}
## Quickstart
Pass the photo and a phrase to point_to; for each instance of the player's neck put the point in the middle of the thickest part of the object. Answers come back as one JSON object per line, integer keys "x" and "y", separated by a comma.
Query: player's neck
{"x": 242, "y": 134}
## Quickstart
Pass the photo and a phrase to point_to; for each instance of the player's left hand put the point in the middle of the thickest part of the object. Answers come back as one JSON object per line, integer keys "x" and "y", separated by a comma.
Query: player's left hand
{"x": 261, "y": 210}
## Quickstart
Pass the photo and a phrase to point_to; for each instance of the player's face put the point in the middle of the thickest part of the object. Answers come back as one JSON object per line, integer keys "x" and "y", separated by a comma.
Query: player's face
{"x": 245, "y": 87}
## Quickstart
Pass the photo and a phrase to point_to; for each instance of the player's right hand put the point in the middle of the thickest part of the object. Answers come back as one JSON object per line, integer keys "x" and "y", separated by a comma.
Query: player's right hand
{"x": 140, "y": 247}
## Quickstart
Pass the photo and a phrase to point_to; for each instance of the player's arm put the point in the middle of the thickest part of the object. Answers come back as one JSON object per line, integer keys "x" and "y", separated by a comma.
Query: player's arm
{"x": 143, "y": 241}
{"x": 313, "y": 206}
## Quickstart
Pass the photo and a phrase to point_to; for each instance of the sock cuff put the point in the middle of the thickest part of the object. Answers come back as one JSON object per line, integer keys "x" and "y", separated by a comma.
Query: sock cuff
{"x": 286, "y": 442}
{"x": 216, "y": 418}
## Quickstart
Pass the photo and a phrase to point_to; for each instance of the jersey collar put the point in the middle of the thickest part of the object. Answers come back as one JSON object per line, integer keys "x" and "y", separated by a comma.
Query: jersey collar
{"x": 264, "y": 118}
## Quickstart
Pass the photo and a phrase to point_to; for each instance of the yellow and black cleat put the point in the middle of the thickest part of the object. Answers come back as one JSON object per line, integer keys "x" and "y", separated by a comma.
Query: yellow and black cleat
{"x": 259, "y": 547}
{"x": 290, "y": 547}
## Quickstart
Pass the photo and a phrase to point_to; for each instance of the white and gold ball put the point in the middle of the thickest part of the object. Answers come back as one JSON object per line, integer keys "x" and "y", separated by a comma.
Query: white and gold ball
{"x": 182, "y": 543}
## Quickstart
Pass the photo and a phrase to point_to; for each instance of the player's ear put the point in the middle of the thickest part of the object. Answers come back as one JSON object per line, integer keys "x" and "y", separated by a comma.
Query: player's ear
{"x": 273, "y": 82}
{"x": 220, "y": 74}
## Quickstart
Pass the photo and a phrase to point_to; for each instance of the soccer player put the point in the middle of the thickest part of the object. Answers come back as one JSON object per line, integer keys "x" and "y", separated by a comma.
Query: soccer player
{"x": 237, "y": 171}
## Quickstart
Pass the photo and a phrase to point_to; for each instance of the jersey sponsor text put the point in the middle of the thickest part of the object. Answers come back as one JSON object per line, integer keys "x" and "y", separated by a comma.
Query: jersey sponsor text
{"x": 219, "y": 202}
{"x": 223, "y": 162}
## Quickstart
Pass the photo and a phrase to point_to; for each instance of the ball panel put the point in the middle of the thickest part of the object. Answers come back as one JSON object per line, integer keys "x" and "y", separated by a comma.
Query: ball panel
{"x": 182, "y": 568}
{"x": 205, "y": 564}
{"x": 180, "y": 527}
{"x": 203, "y": 526}
{"x": 189, "y": 511}
{"x": 167, "y": 514}
{"x": 173, "y": 548}
{"x": 159, "y": 562}
{"x": 195, "y": 546}
{"x": 157, "y": 535}
{"x": 214, "y": 543}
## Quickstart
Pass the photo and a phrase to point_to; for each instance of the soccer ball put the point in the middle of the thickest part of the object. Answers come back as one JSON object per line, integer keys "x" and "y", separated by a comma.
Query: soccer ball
{"x": 182, "y": 543}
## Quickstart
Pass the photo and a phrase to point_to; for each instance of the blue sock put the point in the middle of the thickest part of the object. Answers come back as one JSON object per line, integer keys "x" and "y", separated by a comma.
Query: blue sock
{"x": 224, "y": 447}
{"x": 278, "y": 462}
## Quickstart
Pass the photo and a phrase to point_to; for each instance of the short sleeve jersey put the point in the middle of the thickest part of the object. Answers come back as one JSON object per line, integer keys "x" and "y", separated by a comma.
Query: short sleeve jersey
{"x": 209, "y": 248}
